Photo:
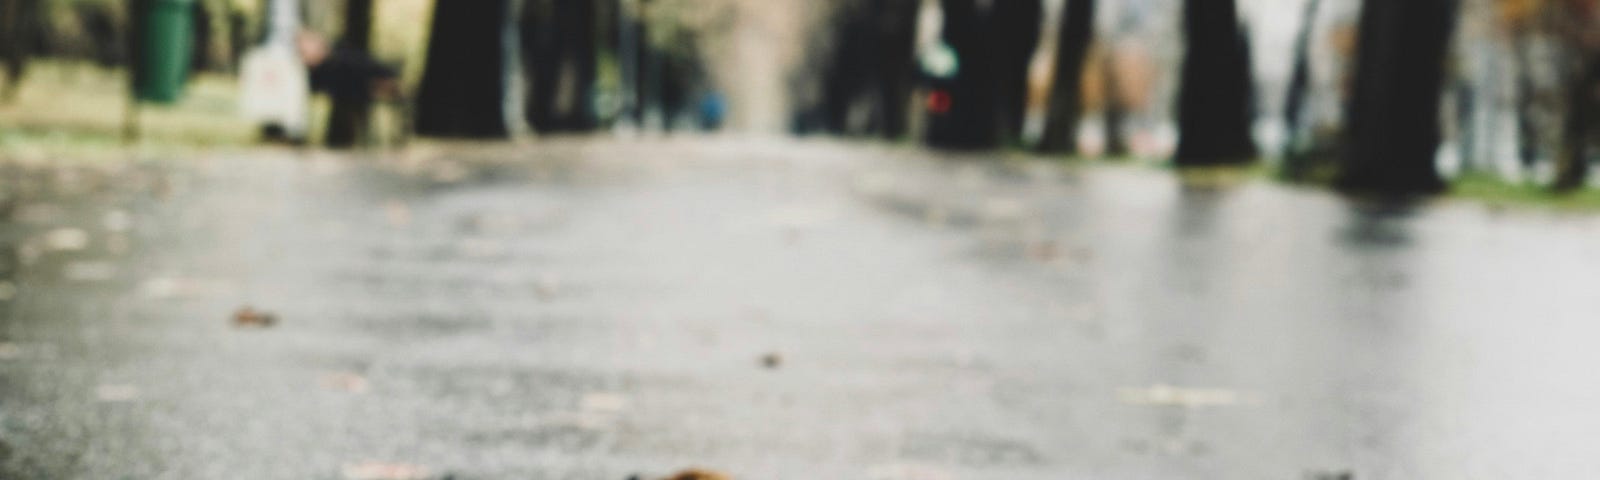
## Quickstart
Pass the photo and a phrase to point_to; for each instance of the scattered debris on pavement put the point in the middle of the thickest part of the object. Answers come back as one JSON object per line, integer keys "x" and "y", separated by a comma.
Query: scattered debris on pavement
{"x": 248, "y": 316}
{"x": 699, "y": 474}
{"x": 772, "y": 360}
{"x": 1331, "y": 475}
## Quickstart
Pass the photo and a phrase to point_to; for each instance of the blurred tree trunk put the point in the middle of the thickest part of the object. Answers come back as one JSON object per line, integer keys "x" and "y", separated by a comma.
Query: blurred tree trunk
{"x": 578, "y": 24}
{"x": 896, "y": 78}
{"x": 1527, "y": 131}
{"x": 1066, "y": 87}
{"x": 869, "y": 68}
{"x": 238, "y": 35}
{"x": 852, "y": 66}
{"x": 463, "y": 83}
{"x": 1116, "y": 111}
{"x": 1215, "y": 103}
{"x": 1577, "y": 24}
{"x": 1466, "y": 134}
{"x": 970, "y": 121}
{"x": 19, "y": 21}
{"x": 1393, "y": 118}
{"x": 1572, "y": 169}
{"x": 1014, "y": 25}
{"x": 200, "y": 59}
{"x": 1295, "y": 99}
{"x": 352, "y": 110}
{"x": 541, "y": 61}
{"x": 560, "y": 45}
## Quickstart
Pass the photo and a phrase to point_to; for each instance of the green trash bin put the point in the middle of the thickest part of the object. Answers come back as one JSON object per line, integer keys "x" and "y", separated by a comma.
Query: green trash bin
{"x": 168, "y": 40}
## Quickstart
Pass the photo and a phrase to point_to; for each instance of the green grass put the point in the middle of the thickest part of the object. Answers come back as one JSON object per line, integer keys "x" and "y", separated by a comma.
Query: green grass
{"x": 1503, "y": 193}
{"x": 76, "y": 110}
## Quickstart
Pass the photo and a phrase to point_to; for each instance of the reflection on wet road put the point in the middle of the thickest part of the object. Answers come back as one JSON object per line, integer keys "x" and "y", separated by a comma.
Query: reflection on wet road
{"x": 775, "y": 310}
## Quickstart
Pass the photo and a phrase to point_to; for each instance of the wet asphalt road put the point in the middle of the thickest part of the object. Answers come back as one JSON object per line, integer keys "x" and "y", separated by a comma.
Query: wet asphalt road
{"x": 592, "y": 310}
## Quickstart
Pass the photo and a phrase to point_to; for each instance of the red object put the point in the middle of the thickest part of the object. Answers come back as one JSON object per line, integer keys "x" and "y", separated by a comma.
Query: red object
{"x": 939, "y": 101}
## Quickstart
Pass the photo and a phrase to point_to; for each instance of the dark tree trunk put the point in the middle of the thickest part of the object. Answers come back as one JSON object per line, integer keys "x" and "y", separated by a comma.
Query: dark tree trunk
{"x": 1295, "y": 99}
{"x": 1466, "y": 135}
{"x": 19, "y": 21}
{"x": 899, "y": 36}
{"x": 1014, "y": 24}
{"x": 1527, "y": 131}
{"x": 352, "y": 110}
{"x": 561, "y": 53}
{"x": 578, "y": 24}
{"x": 1572, "y": 170}
{"x": 1215, "y": 103}
{"x": 852, "y": 66}
{"x": 970, "y": 121}
{"x": 1066, "y": 88}
{"x": 1393, "y": 118}
{"x": 541, "y": 47}
{"x": 1296, "y": 161}
{"x": 463, "y": 84}
{"x": 238, "y": 36}
{"x": 870, "y": 66}
{"x": 1116, "y": 112}
{"x": 201, "y": 59}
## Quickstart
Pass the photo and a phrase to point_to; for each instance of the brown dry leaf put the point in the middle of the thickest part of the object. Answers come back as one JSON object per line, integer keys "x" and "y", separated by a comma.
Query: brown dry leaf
{"x": 247, "y": 316}
{"x": 699, "y": 474}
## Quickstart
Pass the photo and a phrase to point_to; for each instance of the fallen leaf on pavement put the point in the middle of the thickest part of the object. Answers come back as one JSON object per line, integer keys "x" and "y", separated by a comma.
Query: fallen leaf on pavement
{"x": 772, "y": 360}
{"x": 699, "y": 474}
{"x": 250, "y": 317}
{"x": 1331, "y": 475}
{"x": 384, "y": 471}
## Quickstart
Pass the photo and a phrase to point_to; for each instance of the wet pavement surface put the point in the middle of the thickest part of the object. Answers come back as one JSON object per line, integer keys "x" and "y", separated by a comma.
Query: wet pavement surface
{"x": 776, "y": 310}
